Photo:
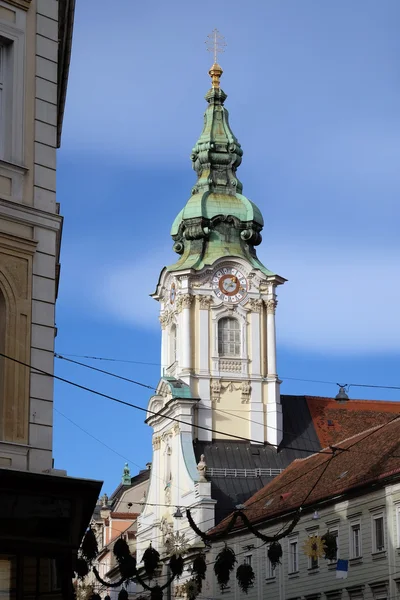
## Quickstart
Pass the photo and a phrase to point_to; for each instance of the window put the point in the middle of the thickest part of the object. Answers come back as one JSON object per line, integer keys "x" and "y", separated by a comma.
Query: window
{"x": 293, "y": 566}
{"x": 378, "y": 533}
{"x": 248, "y": 560}
{"x": 5, "y": 98}
{"x": 270, "y": 569}
{"x": 335, "y": 533}
{"x": 229, "y": 337}
{"x": 398, "y": 524}
{"x": 2, "y": 98}
{"x": 355, "y": 540}
{"x": 8, "y": 577}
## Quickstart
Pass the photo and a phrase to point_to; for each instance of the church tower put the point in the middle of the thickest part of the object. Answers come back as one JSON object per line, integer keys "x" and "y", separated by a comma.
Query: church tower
{"x": 218, "y": 351}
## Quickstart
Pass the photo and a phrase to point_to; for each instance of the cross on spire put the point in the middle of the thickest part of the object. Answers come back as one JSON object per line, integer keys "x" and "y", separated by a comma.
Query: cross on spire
{"x": 215, "y": 43}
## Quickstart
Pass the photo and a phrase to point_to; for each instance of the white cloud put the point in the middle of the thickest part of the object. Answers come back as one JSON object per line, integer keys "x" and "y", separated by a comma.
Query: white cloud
{"x": 336, "y": 300}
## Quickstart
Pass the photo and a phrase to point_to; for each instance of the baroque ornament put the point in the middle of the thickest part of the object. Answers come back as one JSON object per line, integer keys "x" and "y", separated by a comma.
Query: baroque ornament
{"x": 183, "y": 301}
{"x": 254, "y": 304}
{"x": 271, "y": 306}
{"x": 205, "y": 302}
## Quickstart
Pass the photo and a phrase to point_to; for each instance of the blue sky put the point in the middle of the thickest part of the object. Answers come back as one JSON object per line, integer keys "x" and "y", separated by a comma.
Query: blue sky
{"x": 314, "y": 95}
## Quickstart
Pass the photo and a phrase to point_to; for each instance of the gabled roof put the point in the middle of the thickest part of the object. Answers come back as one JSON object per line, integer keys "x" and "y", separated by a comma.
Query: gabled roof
{"x": 335, "y": 420}
{"x": 372, "y": 456}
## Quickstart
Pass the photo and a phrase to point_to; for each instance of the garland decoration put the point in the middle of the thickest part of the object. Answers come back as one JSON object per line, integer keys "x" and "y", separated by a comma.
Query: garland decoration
{"x": 81, "y": 568}
{"x": 330, "y": 545}
{"x": 107, "y": 583}
{"x": 107, "y": 597}
{"x": 95, "y": 597}
{"x": 89, "y": 549}
{"x": 151, "y": 558}
{"x": 223, "y": 566}
{"x": 123, "y": 594}
{"x": 176, "y": 565}
{"x": 275, "y": 554}
{"x": 267, "y": 539}
{"x": 245, "y": 577}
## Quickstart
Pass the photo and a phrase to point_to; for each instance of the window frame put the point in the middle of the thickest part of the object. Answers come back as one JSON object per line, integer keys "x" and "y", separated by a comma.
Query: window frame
{"x": 248, "y": 559}
{"x": 270, "y": 571}
{"x": 352, "y": 526}
{"x": 335, "y": 530}
{"x": 398, "y": 524}
{"x": 293, "y": 541}
{"x": 236, "y": 342}
{"x": 12, "y": 39}
{"x": 374, "y": 518}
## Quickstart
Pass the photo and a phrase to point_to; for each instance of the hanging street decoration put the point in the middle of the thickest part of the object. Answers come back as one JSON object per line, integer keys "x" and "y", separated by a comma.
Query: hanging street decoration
{"x": 224, "y": 565}
{"x": 275, "y": 554}
{"x": 313, "y": 547}
{"x": 330, "y": 545}
{"x": 245, "y": 577}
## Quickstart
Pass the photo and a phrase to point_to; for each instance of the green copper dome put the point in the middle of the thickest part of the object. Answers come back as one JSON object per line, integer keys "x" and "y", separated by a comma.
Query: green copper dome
{"x": 217, "y": 219}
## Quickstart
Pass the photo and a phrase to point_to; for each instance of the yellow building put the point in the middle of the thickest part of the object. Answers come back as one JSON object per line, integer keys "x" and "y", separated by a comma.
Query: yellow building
{"x": 44, "y": 513}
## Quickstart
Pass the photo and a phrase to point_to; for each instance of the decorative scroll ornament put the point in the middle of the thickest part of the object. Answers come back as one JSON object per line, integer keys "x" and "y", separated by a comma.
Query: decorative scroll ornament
{"x": 156, "y": 442}
{"x": 183, "y": 301}
{"x": 271, "y": 306}
{"x": 165, "y": 319}
{"x": 254, "y": 304}
{"x": 215, "y": 390}
{"x": 313, "y": 547}
{"x": 205, "y": 302}
{"x": 246, "y": 391}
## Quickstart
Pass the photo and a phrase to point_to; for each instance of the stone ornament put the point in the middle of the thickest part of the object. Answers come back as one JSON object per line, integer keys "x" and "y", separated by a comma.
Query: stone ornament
{"x": 246, "y": 390}
{"x": 215, "y": 390}
{"x": 183, "y": 301}
{"x": 156, "y": 442}
{"x": 254, "y": 304}
{"x": 271, "y": 306}
{"x": 205, "y": 302}
{"x": 201, "y": 468}
{"x": 165, "y": 319}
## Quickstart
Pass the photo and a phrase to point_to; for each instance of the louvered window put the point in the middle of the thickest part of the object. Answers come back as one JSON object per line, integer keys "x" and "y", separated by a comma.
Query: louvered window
{"x": 229, "y": 337}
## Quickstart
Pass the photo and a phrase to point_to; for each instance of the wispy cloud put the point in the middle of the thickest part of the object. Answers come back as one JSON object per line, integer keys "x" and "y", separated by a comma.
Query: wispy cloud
{"x": 336, "y": 301}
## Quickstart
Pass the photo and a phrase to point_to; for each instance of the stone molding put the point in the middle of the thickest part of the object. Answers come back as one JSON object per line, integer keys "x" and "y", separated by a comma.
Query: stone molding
{"x": 24, "y": 4}
{"x": 156, "y": 442}
{"x": 217, "y": 387}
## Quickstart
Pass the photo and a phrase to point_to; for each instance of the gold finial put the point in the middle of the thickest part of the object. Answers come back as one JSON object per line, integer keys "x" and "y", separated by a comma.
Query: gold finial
{"x": 216, "y": 44}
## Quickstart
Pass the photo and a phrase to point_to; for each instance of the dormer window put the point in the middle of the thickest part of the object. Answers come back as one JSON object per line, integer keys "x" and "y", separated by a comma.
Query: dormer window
{"x": 229, "y": 337}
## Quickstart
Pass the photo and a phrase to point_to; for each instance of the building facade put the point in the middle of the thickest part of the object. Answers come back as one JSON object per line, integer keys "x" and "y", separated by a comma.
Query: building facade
{"x": 44, "y": 512}
{"x": 356, "y": 498}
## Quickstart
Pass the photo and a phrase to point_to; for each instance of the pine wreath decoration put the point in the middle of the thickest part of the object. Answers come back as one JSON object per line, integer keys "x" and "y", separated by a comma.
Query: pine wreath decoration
{"x": 123, "y": 594}
{"x": 151, "y": 559}
{"x": 330, "y": 545}
{"x": 107, "y": 597}
{"x": 275, "y": 554}
{"x": 192, "y": 589}
{"x": 245, "y": 577}
{"x": 156, "y": 593}
{"x": 199, "y": 567}
{"x": 81, "y": 568}
{"x": 223, "y": 566}
{"x": 314, "y": 547}
{"x": 127, "y": 567}
{"x": 89, "y": 549}
{"x": 95, "y": 597}
{"x": 176, "y": 565}
{"x": 121, "y": 549}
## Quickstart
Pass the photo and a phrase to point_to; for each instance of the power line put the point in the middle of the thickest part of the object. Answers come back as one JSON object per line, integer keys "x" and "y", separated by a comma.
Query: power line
{"x": 137, "y": 362}
{"x": 111, "y": 374}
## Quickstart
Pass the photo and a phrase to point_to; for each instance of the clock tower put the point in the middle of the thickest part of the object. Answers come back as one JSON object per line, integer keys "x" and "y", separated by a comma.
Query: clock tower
{"x": 217, "y": 312}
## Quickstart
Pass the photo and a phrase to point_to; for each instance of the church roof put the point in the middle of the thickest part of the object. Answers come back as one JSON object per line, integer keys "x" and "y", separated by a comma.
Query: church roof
{"x": 217, "y": 220}
{"x": 368, "y": 457}
{"x": 309, "y": 424}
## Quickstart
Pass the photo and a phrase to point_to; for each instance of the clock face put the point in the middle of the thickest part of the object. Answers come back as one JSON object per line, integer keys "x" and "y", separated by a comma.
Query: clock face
{"x": 229, "y": 285}
{"x": 172, "y": 293}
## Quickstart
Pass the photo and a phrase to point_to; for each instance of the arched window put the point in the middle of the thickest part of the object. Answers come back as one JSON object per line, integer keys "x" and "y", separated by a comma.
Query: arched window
{"x": 229, "y": 337}
{"x": 172, "y": 346}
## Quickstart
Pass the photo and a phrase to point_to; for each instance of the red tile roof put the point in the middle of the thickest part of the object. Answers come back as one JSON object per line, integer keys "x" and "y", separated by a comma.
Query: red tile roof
{"x": 371, "y": 456}
{"x": 334, "y": 421}
{"x": 125, "y": 516}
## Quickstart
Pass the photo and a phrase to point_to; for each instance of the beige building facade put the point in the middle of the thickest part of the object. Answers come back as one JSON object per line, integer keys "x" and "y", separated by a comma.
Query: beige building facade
{"x": 32, "y": 88}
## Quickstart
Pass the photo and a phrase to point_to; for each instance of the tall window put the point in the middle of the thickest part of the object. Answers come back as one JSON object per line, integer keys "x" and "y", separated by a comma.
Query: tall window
{"x": 355, "y": 540}
{"x": 293, "y": 555}
{"x": 229, "y": 337}
{"x": 335, "y": 534}
{"x": 8, "y": 580}
{"x": 271, "y": 571}
{"x": 248, "y": 559}
{"x": 378, "y": 533}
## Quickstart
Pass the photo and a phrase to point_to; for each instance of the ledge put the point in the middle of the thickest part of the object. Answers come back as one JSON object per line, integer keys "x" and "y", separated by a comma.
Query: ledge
{"x": 357, "y": 560}
{"x": 379, "y": 555}
{"x": 25, "y": 4}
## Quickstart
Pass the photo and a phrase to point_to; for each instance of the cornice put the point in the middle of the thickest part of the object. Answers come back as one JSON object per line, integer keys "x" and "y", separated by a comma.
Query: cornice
{"x": 24, "y": 4}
